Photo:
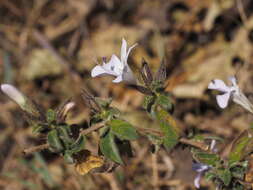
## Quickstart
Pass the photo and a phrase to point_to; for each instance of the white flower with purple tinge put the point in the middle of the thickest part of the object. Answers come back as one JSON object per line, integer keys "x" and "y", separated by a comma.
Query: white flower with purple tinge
{"x": 201, "y": 169}
{"x": 230, "y": 92}
{"x": 117, "y": 67}
{"x": 14, "y": 94}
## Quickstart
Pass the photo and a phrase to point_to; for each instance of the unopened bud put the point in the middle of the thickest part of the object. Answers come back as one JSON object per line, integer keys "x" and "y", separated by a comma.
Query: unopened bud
{"x": 14, "y": 94}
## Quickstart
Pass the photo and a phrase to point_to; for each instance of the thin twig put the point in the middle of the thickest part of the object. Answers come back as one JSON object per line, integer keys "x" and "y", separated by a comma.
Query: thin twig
{"x": 35, "y": 149}
{"x": 190, "y": 142}
{"x": 182, "y": 140}
{"x": 93, "y": 128}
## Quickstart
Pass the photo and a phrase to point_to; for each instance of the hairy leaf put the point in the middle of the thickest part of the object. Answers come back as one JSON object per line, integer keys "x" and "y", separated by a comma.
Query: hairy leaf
{"x": 225, "y": 176}
{"x": 164, "y": 101}
{"x": 54, "y": 141}
{"x": 242, "y": 146}
{"x": 78, "y": 145}
{"x": 209, "y": 159}
{"x": 109, "y": 148}
{"x": 51, "y": 115}
{"x": 169, "y": 128}
{"x": 123, "y": 129}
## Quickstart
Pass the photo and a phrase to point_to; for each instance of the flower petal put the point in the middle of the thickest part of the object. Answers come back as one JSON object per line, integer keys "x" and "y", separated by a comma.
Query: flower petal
{"x": 218, "y": 84}
{"x": 222, "y": 100}
{"x": 118, "y": 79}
{"x": 128, "y": 75}
{"x": 128, "y": 52}
{"x": 114, "y": 65}
{"x": 199, "y": 167}
{"x": 197, "y": 180}
{"x": 123, "y": 52}
{"x": 233, "y": 80}
{"x": 98, "y": 70}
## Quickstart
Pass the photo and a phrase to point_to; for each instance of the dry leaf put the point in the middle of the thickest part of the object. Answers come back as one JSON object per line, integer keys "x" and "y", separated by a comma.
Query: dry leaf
{"x": 86, "y": 162}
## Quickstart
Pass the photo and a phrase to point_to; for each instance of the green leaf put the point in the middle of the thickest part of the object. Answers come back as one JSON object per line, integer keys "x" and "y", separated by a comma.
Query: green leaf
{"x": 54, "y": 141}
{"x": 148, "y": 103}
{"x": 238, "y": 171}
{"x": 242, "y": 146}
{"x": 109, "y": 148}
{"x": 164, "y": 101}
{"x": 37, "y": 128}
{"x": 225, "y": 176}
{"x": 68, "y": 157}
{"x": 209, "y": 159}
{"x": 51, "y": 115}
{"x": 209, "y": 175}
{"x": 78, "y": 145}
{"x": 169, "y": 128}
{"x": 64, "y": 133}
{"x": 123, "y": 129}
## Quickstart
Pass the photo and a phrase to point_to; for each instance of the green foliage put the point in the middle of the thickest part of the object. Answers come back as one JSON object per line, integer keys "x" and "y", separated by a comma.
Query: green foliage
{"x": 210, "y": 159}
{"x": 54, "y": 141}
{"x": 123, "y": 130}
{"x": 224, "y": 175}
{"x": 164, "y": 101}
{"x": 242, "y": 146}
{"x": 50, "y": 115}
{"x": 64, "y": 133}
{"x": 109, "y": 148}
{"x": 169, "y": 128}
{"x": 148, "y": 104}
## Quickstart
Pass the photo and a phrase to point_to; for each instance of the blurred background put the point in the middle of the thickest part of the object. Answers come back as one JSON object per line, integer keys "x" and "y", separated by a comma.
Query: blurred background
{"x": 48, "y": 48}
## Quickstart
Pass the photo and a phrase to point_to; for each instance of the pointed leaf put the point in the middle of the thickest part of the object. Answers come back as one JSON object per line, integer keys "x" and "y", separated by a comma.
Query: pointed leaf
{"x": 68, "y": 157}
{"x": 164, "y": 101}
{"x": 146, "y": 73}
{"x": 78, "y": 145}
{"x": 169, "y": 128}
{"x": 54, "y": 141}
{"x": 161, "y": 73}
{"x": 242, "y": 146}
{"x": 225, "y": 176}
{"x": 123, "y": 129}
{"x": 51, "y": 115}
{"x": 109, "y": 148}
{"x": 64, "y": 134}
{"x": 209, "y": 159}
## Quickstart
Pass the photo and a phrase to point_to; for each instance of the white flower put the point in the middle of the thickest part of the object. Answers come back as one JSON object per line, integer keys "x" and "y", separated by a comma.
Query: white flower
{"x": 14, "y": 94}
{"x": 117, "y": 67}
{"x": 230, "y": 92}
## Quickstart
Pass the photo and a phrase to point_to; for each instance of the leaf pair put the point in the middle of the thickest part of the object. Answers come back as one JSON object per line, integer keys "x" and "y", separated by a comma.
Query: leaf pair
{"x": 60, "y": 141}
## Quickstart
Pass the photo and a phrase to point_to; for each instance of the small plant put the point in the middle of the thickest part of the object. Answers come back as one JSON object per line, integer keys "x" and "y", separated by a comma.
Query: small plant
{"x": 116, "y": 134}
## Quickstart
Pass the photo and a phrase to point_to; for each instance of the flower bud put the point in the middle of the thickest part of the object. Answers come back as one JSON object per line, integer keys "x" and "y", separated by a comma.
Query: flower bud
{"x": 14, "y": 94}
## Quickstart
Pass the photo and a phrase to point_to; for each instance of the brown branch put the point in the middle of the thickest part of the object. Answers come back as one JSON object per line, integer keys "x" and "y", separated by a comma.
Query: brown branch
{"x": 93, "y": 128}
{"x": 182, "y": 140}
{"x": 35, "y": 149}
{"x": 190, "y": 142}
